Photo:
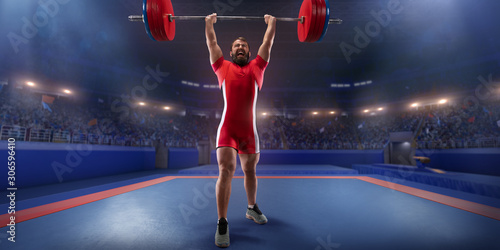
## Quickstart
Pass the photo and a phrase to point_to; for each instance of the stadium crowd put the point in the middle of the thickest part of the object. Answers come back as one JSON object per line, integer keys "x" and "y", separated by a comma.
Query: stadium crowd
{"x": 24, "y": 116}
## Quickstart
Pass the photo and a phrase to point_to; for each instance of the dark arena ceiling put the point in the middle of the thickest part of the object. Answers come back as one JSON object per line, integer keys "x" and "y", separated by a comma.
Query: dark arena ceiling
{"x": 404, "y": 47}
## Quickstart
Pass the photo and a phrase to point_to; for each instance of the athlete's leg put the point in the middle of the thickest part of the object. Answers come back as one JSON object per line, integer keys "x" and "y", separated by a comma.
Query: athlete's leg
{"x": 249, "y": 164}
{"x": 226, "y": 157}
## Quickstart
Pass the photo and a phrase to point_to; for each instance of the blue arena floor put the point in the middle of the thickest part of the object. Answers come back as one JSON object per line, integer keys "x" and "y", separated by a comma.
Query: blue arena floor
{"x": 303, "y": 213}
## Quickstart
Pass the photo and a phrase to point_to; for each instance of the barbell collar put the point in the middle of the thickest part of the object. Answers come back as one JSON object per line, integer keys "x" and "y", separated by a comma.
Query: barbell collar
{"x": 136, "y": 18}
{"x": 335, "y": 21}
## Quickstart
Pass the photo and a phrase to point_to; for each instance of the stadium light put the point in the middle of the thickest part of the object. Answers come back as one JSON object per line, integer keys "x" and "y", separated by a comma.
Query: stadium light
{"x": 380, "y": 109}
{"x": 31, "y": 84}
{"x": 315, "y": 113}
{"x": 443, "y": 101}
{"x": 366, "y": 111}
{"x": 142, "y": 104}
{"x": 166, "y": 108}
{"x": 414, "y": 105}
{"x": 67, "y": 91}
{"x": 264, "y": 114}
{"x": 333, "y": 112}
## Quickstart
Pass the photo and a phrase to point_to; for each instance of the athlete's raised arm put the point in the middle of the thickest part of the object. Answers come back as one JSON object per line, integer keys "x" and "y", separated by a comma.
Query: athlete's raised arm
{"x": 213, "y": 47}
{"x": 267, "y": 43}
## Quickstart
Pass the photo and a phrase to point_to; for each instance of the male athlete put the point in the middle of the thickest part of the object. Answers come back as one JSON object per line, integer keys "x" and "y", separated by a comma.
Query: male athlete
{"x": 240, "y": 82}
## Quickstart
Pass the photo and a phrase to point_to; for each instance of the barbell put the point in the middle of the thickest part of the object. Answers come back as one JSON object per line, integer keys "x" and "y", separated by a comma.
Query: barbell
{"x": 159, "y": 19}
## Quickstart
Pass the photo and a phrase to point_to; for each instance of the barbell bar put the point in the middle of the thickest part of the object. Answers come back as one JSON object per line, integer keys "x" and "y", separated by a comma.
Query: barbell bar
{"x": 159, "y": 19}
{"x": 140, "y": 18}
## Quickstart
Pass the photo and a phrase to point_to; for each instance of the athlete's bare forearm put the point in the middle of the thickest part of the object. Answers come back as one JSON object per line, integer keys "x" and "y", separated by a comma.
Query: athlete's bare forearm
{"x": 213, "y": 47}
{"x": 267, "y": 43}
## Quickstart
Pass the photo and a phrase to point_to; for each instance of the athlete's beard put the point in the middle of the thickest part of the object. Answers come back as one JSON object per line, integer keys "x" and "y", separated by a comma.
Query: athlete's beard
{"x": 241, "y": 61}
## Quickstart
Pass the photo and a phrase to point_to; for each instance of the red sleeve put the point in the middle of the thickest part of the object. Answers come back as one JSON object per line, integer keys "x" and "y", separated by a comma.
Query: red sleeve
{"x": 261, "y": 63}
{"x": 259, "y": 69}
{"x": 216, "y": 66}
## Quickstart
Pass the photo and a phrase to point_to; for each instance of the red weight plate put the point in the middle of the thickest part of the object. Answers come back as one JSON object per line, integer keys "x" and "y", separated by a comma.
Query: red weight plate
{"x": 168, "y": 26}
{"x": 303, "y": 29}
{"x": 321, "y": 20}
{"x": 157, "y": 12}
{"x": 157, "y": 26}
{"x": 152, "y": 20}
{"x": 314, "y": 20}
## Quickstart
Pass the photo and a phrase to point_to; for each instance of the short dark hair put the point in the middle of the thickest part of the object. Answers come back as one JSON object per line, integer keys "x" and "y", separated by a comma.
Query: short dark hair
{"x": 239, "y": 38}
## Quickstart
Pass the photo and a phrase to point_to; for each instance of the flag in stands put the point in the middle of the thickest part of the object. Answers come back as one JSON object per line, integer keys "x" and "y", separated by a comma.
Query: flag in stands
{"x": 47, "y": 99}
{"x": 472, "y": 119}
{"x": 46, "y": 106}
{"x": 93, "y": 122}
{"x": 321, "y": 130}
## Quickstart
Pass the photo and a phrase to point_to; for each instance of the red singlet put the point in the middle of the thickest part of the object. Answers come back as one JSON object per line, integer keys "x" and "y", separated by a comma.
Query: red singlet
{"x": 240, "y": 87}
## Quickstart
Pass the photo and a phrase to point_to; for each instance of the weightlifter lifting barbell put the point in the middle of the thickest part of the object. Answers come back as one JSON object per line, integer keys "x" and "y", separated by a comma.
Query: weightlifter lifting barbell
{"x": 240, "y": 81}
{"x": 159, "y": 19}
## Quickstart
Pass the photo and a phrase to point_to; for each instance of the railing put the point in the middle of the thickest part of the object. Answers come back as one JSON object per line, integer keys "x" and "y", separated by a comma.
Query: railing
{"x": 491, "y": 142}
{"x": 16, "y": 132}
{"x": 39, "y": 135}
{"x": 47, "y": 135}
{"x": 61, "y": 137}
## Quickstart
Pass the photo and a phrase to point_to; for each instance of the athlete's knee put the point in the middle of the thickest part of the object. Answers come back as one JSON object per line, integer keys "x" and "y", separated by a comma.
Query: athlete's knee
{"x": 249, "y": 171}
{"x": 227, "y": 168}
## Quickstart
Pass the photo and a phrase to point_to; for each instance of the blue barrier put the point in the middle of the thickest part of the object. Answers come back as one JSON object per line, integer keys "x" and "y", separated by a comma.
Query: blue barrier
{"x": 476, "y": 160}
{"x": 47, "y": 163}
{"x": 341, "y": 158}
{"x": 471, "y": 183}
{"x": 182, "y": 158}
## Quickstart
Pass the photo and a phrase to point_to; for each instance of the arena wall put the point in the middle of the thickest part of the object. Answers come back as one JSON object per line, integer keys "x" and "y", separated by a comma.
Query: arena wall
{"x": 49, "y": 163}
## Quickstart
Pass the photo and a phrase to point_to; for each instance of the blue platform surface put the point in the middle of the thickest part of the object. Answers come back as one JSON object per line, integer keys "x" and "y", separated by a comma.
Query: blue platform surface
{"x": 302, "y": 213}
{"x": 213, "y": 169}
{"x": 484, "y": 185}
{"x": 40, "y": 195}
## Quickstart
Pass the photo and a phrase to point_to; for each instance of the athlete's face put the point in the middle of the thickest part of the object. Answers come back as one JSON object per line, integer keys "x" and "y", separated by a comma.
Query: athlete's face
{"x": 240, "y": 52}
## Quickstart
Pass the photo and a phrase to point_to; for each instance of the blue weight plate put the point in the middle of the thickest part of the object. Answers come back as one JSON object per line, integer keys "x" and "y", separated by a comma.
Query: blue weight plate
{"x": 145, "y": 17}
{"x": 326, "y": 20}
